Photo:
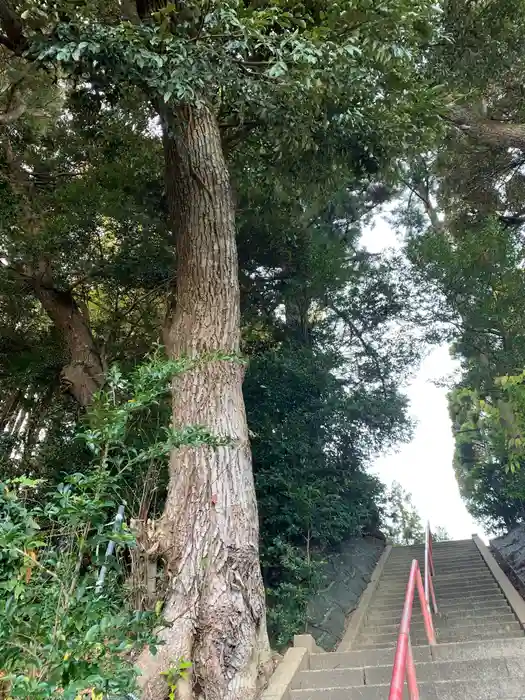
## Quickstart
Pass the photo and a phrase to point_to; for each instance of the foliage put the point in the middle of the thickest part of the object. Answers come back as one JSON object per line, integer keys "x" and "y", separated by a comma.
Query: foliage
{"x": 334, "y": 89}
{"x": 403, "y": 522}
{"x": 271, "y": 63}
{"x": 440, "y": 534}
{"x": 296, "y": 578}
{"x": 488, "y": 469}
{"x": 174, "y": 674}
{"x": 322, "y": 395}
{"x": 472, "y": 266}
{"x": 59, "y": 632}
{"x": 465, "y": 228}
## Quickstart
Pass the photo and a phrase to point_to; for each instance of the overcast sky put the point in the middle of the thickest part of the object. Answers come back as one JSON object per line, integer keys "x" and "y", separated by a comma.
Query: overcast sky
{"x": 424, "y": 466}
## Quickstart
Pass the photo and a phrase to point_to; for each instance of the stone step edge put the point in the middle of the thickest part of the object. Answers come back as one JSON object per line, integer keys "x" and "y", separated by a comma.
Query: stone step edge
{"x": 510, "y": 619}
{"x": 433, "y": 663}
{"x": 513, "y": 679}
{"x": 421, "y": 666}
{"x": 497, "y": 647}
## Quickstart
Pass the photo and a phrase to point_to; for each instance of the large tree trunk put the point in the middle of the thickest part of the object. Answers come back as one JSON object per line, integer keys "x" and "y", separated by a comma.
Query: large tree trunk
{"x": 84, "y": 374}
{"x": 209, "y": 530}
{"x": 489, "y": 131}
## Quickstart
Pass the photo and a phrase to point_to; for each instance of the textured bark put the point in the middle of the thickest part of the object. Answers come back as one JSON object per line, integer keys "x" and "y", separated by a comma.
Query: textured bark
{"x": 84, "y": 374}
{"x": 489, "y": 131}
{"x": 209, "y": 529}
{"x": 296, "y": 317}
{"x": 9, "y": 405}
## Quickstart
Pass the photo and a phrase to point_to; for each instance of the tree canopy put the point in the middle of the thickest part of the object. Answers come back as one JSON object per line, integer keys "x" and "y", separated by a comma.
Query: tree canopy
{"x": 191, "y": 325}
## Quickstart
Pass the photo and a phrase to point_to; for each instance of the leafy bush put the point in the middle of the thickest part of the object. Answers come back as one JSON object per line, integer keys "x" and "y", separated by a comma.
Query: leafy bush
{"x": 309, "y": 456}
{"x": 58, "y": 635}
{"x": 60, "y": 632}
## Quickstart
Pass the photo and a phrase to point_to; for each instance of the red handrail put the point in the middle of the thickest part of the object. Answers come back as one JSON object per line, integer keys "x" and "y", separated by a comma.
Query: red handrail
{"x": 429, "y": 569}
{"x": 403, "y": 660}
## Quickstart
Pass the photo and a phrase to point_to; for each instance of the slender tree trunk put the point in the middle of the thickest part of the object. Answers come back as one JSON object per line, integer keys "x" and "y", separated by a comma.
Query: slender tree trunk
{"x": 84, "y": 374}
{"x": 209, "y": 529}
{"x": 34, "y": 422}
{"x": 296, "y": 317}
{"x": 8, "y": 407}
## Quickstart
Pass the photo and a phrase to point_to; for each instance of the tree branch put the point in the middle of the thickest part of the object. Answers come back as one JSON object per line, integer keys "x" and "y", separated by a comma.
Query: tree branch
{"x": 13, "y": 29}
{"x": 12, "y": 114}
{"x": 370, "y": 351}
{"x": 489, "y": 131}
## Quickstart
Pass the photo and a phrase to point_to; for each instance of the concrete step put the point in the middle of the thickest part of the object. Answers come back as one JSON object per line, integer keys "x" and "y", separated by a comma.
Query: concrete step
{"x": 477, "y": 568}
{"x": 443, "y": 604}
{"x": 486, "y": 649}
{"x": 437, "y": 548}
{"x": 457, "y": 579}
{"x": 334, "y": 678}
{"x": 382, "y": 601}
{"x": 428, "y": 671}
{"x": 458, "y": 559}
{"x": 444, "y": 586}
{"x": 454, "y": 651}
{"x": 466, "y": 613}
{"x": 373, "y": 618}
{"x": 445, "y": 570}
{"x": 471, "y": 571}
{"x": 418, "y": 627}
{"x": 478, "y": 669}
{"x": 384, "y": 641}
{"x": 436, "y": 551}
{"x": 436, "y": 545}
{"x": 363, "y": 657}
{"x": 464, "y": 563}
{"x": 466, "y": 607}
{"x": 442, "y": 595}
{"x": 495, "y": 689}
{"x": 437, "y": 556}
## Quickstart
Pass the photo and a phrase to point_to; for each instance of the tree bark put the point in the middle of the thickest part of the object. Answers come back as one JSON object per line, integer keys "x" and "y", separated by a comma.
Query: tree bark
{"x": 209, "y": 529}
{"x": 489, "y": 131}
{"x": 9, "y": 406}
{"x": 84, "y": 375}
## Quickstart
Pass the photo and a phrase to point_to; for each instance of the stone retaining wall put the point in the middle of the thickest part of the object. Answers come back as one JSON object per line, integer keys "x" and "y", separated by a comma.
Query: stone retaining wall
{"x": 347, "y": 572}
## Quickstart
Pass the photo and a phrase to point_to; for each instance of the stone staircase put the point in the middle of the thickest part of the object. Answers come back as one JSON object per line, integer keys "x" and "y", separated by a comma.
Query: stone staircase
{"x": 480, "y": 654}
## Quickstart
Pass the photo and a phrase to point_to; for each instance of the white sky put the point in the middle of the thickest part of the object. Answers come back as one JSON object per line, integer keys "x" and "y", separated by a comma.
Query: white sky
{"x": 423, "y": 467}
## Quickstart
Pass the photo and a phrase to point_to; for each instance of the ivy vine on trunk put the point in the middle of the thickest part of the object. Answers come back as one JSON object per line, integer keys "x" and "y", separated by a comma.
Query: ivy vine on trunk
{"x": 209, "y": 529}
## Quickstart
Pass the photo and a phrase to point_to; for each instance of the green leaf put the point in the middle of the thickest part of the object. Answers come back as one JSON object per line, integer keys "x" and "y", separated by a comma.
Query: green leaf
{"x": 92, "y": 633}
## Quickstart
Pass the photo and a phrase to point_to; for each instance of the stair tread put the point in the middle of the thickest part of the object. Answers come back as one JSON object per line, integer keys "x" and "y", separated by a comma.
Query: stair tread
{"x": 480, "y": 654}
{"x": 429, "y": 671}
{"x": 432, "y": 690}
